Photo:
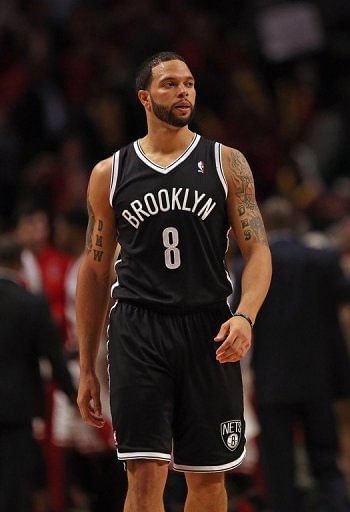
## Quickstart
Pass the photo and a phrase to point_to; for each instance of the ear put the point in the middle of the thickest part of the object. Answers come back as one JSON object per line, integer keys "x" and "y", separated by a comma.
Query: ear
{"x": 144, "y": 98}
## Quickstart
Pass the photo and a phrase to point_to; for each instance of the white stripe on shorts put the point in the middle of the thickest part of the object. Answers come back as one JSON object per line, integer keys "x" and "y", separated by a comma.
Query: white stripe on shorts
{"x": 143, "y": 455}
{"x": 211, "y": 469}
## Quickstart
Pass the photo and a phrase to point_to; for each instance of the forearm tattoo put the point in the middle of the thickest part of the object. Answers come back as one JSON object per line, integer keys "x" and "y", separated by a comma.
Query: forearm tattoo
{"x": 97, "y": 253}
{"x": 248, "y": 211}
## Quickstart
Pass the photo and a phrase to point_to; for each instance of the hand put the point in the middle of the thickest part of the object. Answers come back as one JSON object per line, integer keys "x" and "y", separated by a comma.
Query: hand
{"x": 89, "y": 402}
{"x": 236, "y": 335}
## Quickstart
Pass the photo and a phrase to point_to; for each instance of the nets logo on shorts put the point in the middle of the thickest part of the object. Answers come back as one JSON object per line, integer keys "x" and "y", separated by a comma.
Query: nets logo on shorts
{"x": 231, "y": 433}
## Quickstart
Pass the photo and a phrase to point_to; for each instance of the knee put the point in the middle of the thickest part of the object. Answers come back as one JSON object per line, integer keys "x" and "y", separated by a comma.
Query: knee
{"x": 146, "y": 475}
{"x": 211, "y": 485}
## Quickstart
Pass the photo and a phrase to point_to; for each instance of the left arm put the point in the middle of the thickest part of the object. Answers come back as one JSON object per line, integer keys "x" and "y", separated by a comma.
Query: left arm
{"x": 248, "y": 228}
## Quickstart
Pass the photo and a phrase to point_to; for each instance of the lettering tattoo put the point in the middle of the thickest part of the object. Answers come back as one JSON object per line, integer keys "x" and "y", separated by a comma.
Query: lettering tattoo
{"x": 97, "y": 254}
{"x": 247, "y": 234}
{"x": 241, "y": 210}
{"x": 245, "y": 192}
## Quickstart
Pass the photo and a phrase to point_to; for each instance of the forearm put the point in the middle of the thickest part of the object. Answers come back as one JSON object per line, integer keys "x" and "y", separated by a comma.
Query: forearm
{"x": 255, "y": 281}
{"x": 92, "y": 304}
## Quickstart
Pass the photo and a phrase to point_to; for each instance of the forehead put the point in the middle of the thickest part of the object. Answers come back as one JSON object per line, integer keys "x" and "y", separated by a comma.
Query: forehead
{"x": 170, "y": 68}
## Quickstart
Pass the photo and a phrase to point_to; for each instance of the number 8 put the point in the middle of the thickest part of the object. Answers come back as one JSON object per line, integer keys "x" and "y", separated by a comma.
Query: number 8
{"x": 171, "y": 253}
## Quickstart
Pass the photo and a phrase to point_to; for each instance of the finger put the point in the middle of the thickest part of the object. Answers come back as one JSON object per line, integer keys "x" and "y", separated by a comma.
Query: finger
{"x": 87, "y": 413}
{"x": 228, "y": 344}
{"x": 232, "y": 349}
{"x": 95, "y": 416}
{"x": 230, "y": 357}
{"x": 96, "y": 403}
{"x": 93, "y": 413}
{"x": 235, "y": 354}
{"x": 223, "y": 332}
{"x": 230, "y": 360}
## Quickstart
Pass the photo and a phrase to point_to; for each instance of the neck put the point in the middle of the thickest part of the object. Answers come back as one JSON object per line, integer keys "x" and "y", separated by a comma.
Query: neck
{"x": 162, "y": 138}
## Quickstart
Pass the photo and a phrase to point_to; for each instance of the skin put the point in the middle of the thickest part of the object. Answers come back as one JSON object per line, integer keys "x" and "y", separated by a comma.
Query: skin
{"x": 171, "y": 92}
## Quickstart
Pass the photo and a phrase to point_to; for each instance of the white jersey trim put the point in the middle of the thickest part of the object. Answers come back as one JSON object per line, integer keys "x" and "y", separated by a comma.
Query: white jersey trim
{"x": 144, "y": 455}
{"x": 116, "y": 283}
{"x": 168, "y": 168}
{"x": 114, "y": 176}
{"x": 211, "y": 469}
{"x": 219, "y": 168}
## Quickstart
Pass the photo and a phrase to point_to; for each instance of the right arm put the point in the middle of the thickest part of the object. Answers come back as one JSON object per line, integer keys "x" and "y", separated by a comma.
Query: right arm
{"x": 93, "y": 288}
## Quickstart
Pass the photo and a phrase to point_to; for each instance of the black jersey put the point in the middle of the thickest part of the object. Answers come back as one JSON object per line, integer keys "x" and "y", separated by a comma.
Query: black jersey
{"x": 172, "y": 224}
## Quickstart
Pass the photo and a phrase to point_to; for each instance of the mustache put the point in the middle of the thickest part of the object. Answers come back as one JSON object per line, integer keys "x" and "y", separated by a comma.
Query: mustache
{"x": 183, "y": 103}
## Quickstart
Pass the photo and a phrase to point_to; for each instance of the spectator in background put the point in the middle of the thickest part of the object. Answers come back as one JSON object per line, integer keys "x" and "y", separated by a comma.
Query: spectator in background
{"x": 44, "y": 271}
{"x": 28, "y": 333}
{"x": 94, "y": 477}
{"x": 44, "y": 267}
{"x": 300, "y": 364}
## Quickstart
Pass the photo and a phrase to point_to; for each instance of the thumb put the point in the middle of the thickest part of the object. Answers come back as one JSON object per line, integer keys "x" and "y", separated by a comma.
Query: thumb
{"x": 223, "y": 332}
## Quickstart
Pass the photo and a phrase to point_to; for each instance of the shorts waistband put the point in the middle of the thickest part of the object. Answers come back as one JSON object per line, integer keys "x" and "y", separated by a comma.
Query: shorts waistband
{"x": 176, "y": 310}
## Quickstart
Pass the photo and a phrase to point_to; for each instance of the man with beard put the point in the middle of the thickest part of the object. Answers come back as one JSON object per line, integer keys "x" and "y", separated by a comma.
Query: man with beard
{"x": 174, "y": 347}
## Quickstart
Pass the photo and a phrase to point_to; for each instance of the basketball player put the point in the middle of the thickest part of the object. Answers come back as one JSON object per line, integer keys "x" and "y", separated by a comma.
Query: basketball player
{"x": 174, "y": 346}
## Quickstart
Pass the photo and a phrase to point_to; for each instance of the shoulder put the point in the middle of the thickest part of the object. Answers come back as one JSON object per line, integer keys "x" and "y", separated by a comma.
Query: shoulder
{"x": 100, "y": 179}
{"x": 237, "y": 170}
{"x": 103, "y": 169}
{"x": 233, "y": 157}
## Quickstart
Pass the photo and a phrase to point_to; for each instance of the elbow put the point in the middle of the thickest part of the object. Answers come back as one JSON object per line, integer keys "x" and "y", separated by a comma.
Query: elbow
{"x": 260, "y": 252}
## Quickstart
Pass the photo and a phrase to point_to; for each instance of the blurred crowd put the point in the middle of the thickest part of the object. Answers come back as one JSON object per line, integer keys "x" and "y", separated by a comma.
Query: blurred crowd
{"x": 273, "y": 80}
{"x": 277, "y": 90}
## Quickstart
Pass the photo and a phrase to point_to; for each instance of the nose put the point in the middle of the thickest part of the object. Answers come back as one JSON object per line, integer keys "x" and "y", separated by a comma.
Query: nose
{"x": 183, "y": 91}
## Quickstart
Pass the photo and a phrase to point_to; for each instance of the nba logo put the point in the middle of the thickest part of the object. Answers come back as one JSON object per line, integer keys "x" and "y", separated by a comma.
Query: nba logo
{"x": 201, "y": 166}
{"x": 231, "y": 433}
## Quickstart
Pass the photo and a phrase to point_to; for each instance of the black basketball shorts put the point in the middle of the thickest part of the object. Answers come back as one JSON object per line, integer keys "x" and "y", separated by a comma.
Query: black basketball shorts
{"x": 169, "y": 394}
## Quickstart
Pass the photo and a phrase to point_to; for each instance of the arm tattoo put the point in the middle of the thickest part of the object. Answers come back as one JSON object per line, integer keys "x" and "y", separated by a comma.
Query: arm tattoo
{"x": 97, "y": 253}
{"x": 248, "y": 211}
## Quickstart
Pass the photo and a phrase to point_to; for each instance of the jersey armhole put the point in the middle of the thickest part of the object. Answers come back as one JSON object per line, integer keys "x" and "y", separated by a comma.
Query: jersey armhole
{"x": 219, "y": 169}
{"x": 114, "y": 177}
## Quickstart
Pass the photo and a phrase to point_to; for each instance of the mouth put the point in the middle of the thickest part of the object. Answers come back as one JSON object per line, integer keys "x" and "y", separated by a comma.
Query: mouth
{"x": 183, "y": 107}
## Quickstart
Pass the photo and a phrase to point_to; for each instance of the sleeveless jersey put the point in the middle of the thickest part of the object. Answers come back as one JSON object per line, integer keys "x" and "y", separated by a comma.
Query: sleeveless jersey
{"x": 172, "y": 227}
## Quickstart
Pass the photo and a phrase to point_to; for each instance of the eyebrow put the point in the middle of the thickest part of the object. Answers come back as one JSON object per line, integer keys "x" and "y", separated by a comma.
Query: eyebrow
{"x": 189, "y": 77}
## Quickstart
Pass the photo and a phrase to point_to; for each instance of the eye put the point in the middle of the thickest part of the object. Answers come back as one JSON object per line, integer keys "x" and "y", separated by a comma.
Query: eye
{"x": 170, "y": 83}
{"x": 189, "y": 84}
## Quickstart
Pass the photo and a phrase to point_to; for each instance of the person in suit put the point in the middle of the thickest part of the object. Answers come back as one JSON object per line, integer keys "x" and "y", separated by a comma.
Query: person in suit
{"x": 300, "y": 363}
{"x": 28, "y": 334}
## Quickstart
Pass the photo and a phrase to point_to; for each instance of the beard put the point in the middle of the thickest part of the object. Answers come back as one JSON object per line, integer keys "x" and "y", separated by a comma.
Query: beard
{"x": 168, "y": 116}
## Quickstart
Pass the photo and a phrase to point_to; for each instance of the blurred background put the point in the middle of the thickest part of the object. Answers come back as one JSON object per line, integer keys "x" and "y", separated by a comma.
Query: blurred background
{"x": 272, "y": 79}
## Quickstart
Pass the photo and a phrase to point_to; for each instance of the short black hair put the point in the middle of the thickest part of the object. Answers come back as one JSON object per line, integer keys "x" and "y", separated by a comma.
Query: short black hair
{"x": 144, "y": 75}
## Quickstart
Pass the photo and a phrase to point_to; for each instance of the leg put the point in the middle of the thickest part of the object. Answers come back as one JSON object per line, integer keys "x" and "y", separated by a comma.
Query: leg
{"x": 146, "y": 483}
{"x": 277, "y": 452}
{"x": 322, "y": 444}
{"x": 15, "y": 468}
{"x": 206, "y": 492}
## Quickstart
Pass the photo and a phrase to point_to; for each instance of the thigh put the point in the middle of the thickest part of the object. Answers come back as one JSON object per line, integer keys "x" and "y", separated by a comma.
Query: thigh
{"x": 141, "y": 383}
{"x": 208, "y": 418}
